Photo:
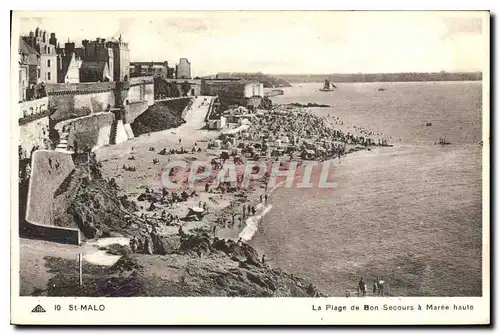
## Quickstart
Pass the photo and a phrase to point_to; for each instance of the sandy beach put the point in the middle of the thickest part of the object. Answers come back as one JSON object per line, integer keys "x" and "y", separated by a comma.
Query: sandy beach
{"x": 137, "y": 166}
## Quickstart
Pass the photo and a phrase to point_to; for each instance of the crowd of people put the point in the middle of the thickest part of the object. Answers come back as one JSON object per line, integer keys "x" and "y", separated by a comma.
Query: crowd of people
{"x": 290, "y": 132}
{"x": 377, "y": 287}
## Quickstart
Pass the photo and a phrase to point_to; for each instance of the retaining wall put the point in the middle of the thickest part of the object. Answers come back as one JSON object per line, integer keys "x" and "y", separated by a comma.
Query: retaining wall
{"x": 92, "y": 131}
{"x": 33, "y": 135}
{"x": 51, "y": 171}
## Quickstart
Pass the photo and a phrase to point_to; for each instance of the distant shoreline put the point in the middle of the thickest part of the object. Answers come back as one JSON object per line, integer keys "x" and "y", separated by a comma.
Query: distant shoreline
{"x": 382, "y": 77}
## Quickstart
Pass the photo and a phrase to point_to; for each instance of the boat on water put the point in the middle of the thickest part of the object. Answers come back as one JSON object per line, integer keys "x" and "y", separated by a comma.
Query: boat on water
{"x": 328, "y": 87}
{"x": 443, "y": 141}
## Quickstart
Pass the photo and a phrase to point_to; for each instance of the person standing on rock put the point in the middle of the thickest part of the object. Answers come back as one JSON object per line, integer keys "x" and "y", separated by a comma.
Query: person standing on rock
{"x": 375, "y": 286}
{"x": 180, "y": 140}
{"x": 362, "y": 287}
{"x": 133, "y": 244}
{"x": 265, "y": 197}
{"x": 380, "y": 285}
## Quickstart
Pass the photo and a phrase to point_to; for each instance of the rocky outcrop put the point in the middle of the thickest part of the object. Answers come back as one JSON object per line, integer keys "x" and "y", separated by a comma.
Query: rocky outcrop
{"x": 183, "y": 264}
{"x": 215, "y": 268}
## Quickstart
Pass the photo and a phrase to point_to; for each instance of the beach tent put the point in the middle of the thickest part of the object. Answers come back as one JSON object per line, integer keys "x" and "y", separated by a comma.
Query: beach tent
{"x": 307, "y": 154}
{"x": 195, "y": 213}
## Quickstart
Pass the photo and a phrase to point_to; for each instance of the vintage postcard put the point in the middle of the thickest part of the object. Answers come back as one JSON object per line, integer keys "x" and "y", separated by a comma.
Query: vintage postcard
{"x": 250, "y": 167}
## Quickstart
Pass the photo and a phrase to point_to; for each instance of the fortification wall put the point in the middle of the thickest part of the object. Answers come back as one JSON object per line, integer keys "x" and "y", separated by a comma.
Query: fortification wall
{"x": 92, "y": 131}
{"x": 33, "y": 135}
{"x": 134, "y": 109}
{"x": 76, "y": 100}
{"x": 51, "y": 188}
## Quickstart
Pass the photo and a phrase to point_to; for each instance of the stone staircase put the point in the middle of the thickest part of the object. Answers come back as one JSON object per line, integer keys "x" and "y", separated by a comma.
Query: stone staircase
{"x": 114, "y": 128}
{"x": 63, "y": 143}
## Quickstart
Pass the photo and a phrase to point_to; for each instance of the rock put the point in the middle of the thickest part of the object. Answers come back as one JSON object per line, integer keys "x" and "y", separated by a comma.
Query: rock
{"x": 115, "y": 234}
{"x": 148, "y": 245}
{"x": 163, "y": 245}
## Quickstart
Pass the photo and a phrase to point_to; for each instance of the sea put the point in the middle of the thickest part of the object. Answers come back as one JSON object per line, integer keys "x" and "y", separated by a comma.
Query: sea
{"x": 410, "y": 214}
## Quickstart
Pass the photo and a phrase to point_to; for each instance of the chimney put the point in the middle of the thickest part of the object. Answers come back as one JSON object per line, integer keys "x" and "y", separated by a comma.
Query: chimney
{"x": 53, "y": 39}
{"x": 69, "y": 47}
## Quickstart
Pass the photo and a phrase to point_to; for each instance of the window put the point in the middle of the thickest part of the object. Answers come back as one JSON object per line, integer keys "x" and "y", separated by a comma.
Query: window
{"x": 48, "y": 76}
{"x": 38, "y": 73}
{"x": 48, "y": 62}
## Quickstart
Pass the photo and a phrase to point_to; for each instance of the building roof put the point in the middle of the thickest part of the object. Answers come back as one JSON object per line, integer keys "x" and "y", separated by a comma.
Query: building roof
{"x": 26, "y": 48}
{"x": 32, "y": 55}
{"x": 94, "y": 70}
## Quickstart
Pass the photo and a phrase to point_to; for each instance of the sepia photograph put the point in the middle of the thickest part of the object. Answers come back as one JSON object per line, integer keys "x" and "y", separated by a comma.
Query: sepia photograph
{"x": 250, "y": 154}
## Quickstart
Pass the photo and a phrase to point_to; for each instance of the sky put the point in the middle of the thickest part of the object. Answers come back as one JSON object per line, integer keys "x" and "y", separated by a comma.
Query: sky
{"x": 286, "y": 42}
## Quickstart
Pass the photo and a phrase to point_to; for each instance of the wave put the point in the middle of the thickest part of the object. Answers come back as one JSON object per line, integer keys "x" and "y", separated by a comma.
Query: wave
{"x": 252, "y": 223}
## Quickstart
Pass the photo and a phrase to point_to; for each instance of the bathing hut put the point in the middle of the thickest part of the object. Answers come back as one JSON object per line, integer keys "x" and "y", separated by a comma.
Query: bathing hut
{"x": 308, "y": 154}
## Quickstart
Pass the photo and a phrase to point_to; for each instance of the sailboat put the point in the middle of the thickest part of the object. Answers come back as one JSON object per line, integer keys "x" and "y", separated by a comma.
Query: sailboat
{"x": 443, "y": 141}
{"x": 328, "y": 87}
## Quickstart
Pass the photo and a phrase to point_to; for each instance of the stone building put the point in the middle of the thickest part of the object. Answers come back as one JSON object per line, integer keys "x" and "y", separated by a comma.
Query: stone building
{"x": 234, "y": 91}
{"x": 40, "y": 41}
{"x": 155, "y": 69}
{"x": 114, "y": 52}
{"x": 183, "y": 69}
